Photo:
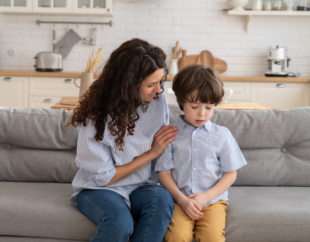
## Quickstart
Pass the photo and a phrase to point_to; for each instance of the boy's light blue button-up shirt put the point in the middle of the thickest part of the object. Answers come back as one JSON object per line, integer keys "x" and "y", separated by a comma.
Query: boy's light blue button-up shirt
{"x": 198, "y": 157}
{"x": 97, "y": 159}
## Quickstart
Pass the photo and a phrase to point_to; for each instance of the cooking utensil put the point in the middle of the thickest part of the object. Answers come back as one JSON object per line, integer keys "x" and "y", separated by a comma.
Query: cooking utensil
{"x": 54, "y": 38}
{"x": 175, "y": 50}
{"x": 219, "y": 64}
{"x": 206, "y": 58}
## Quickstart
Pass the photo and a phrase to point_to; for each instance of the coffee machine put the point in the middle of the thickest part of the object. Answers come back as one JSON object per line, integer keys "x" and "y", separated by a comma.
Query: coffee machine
{"x": 277, "y": 62}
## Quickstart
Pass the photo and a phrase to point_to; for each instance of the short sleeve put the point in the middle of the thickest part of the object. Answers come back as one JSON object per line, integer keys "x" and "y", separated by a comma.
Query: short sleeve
{"x": 93, "y": 156}
{"x": 165, "y": 160}
{"x": 231, "y": 157}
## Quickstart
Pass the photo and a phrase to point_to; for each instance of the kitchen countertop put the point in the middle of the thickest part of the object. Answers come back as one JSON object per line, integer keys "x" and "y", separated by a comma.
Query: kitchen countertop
{"x": 169, "y": 78}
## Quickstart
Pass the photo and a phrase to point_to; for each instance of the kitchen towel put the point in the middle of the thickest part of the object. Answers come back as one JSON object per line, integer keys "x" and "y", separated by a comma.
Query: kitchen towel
{"x": 65, "y": 45}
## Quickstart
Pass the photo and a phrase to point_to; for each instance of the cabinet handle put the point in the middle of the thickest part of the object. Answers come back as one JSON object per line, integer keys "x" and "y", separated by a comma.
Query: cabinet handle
{"x": 48, "y": 100}
{"x": 9, "y": 79}
{"x": 69, "y": 80}
{"x": 280, "y": 85}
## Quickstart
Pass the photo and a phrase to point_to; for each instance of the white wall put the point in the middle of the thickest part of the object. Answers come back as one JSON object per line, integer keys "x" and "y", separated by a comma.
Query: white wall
{"x": 198, "y": 25}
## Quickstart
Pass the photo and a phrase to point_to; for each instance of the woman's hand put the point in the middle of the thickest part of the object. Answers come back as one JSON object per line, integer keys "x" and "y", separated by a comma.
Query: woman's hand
{"x": 192, "y": 209}
{"x": 162, "y": 138}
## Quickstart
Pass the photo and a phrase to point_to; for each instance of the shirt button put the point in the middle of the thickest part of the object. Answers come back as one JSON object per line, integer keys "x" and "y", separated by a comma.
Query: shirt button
{"x": 194, "y": 149}
{"x": 194, "y": 132}
{"x": 194, "y": 169}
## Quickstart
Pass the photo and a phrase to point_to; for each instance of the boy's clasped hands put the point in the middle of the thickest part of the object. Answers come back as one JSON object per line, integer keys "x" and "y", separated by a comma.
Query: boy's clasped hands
{"x": 193, "y": 203}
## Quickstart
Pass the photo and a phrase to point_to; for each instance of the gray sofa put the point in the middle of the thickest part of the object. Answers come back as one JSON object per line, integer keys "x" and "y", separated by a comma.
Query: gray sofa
{"x": 269, "y": 202}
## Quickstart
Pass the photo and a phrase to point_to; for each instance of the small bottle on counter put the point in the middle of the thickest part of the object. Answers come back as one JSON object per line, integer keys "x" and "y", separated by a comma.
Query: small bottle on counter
{"x": 257, "y": 5}
{"x": 277, "y": 5}
{"x": 267, "y": 5}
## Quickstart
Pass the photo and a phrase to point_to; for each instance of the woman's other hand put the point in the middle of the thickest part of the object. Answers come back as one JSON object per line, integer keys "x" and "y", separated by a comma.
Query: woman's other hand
{"x": 162, "y": 138}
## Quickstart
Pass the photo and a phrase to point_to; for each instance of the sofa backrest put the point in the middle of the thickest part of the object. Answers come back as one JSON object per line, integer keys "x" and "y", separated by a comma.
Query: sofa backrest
{"x": 36, "y": 145}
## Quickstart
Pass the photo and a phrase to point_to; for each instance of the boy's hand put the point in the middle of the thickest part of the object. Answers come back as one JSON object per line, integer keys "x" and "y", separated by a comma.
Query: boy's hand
{"x": 201, "y": 198}
{"x": 191, "y": 208}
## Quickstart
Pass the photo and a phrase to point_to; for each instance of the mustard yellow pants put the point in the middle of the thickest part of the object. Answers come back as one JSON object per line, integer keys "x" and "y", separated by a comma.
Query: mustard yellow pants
{"x": 210, "y": 228}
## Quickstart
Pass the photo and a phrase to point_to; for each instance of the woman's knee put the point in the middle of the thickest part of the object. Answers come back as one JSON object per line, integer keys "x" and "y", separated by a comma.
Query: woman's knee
{"x": 164, "y": 200}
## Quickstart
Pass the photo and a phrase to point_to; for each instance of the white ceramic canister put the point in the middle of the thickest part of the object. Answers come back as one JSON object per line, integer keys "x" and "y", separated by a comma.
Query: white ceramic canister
{"x": 257, "y": 5}
{"x": 173, "y": 69}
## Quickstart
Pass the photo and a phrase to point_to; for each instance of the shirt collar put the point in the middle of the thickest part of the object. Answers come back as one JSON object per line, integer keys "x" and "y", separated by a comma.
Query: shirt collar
{"x": 181, "y": 124}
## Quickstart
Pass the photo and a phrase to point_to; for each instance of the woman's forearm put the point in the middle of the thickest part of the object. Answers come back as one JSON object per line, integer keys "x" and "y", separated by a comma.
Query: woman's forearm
{"x": 136, "y": 164}
{"x": 168, "y": 183}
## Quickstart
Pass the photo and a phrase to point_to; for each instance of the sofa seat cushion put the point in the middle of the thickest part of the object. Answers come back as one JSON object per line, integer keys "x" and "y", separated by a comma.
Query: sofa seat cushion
{"x": 42, "y": 210}
{"x": 255, "y": 214}
{"x": 268, "y": 214}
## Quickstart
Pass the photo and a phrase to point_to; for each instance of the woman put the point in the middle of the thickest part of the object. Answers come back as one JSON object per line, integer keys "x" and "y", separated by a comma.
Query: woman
{"x": 120, "y": 122}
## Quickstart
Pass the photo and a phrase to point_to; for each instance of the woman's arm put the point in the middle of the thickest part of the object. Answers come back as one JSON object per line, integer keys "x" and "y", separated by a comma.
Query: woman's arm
{"x": 161, "y": 139}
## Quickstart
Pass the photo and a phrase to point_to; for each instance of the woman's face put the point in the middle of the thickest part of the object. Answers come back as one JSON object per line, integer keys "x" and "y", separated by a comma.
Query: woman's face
{"x": 151, "y": 85}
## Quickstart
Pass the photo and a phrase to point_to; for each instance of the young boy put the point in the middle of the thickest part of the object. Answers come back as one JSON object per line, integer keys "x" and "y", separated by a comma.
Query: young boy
{"x": 199, "y": 166}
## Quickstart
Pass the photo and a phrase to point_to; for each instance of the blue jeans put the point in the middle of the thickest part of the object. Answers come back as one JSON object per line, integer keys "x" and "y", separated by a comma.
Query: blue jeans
{"x": 151, "y": 207}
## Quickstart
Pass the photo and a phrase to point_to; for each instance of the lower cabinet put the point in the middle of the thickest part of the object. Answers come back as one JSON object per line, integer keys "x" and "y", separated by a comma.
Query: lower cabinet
{"x": 14, "y": 91}
{"x": 43, "y": 102}
{"x": 281, "y": 95}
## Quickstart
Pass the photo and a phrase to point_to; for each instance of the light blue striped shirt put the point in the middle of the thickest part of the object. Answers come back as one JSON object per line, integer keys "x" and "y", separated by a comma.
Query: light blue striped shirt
{"x": 198, "y": 157}
{"x": 97, "y": 160}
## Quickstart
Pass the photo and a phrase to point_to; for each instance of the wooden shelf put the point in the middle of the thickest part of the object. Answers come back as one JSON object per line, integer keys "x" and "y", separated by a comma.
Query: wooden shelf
{"x": 249, "y": 13}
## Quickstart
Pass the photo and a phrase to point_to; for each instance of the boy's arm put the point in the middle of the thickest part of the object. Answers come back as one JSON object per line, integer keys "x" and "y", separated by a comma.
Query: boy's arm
{"x": 168, "y": 183}
{"x": 190, "y": 207}
{"x": 227, "y": 179}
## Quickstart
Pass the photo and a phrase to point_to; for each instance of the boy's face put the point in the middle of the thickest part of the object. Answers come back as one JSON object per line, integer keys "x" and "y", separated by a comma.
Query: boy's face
{"x": 196, "y": 114}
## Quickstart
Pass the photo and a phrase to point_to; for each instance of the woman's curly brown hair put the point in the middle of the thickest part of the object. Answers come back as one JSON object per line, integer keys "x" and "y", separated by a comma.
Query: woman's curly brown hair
{"x": 116, "y": 92}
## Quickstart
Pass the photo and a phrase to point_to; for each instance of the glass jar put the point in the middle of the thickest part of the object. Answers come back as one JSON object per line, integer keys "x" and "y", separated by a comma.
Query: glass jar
{"x": 257, "y": 5}
{"x": 267, "y": 5}
{"x": 277, "y": 5}
{"x": 302, "y": 5}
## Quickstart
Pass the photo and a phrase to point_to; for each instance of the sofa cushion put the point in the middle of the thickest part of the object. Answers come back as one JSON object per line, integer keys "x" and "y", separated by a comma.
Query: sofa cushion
{"x": 42, "y": 210}
{"x": 268, "y": 214}
{"x": 34, "y": 165}
{"x": 37, "y": 128}
{"x": 255, "y": 214}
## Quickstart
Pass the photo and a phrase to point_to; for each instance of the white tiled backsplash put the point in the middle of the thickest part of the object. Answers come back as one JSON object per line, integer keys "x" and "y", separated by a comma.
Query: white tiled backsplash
{"x": 198, "y": 25}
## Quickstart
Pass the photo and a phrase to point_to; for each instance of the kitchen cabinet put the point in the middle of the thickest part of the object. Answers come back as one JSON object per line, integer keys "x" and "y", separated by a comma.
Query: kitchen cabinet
{"x": 241, "y": 91}
{"x": 17, "y": 6}
{"x": 74, "y": 7}
{"x": 92, "y": 6}
{"x": 281, "y": 95}
{"x": 52, "y": 6}
{"x": 14, "y": 91}
{"x": 45, "y": 92}
{"x": 43, "y": 102}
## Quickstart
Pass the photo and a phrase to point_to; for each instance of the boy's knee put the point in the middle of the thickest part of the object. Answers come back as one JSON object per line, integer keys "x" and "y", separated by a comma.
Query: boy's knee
{"x": 210, "y": 234}
{"x": 179, "y": 236}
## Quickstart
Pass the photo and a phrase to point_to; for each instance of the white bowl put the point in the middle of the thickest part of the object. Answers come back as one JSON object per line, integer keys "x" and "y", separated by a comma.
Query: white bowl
{"x": 238, "y": 4}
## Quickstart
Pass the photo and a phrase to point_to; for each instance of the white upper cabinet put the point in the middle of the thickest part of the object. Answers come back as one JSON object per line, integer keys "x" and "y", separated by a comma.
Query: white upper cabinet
{"x": 92, "y": 6}
{"x": 77, "y": 7}
{"x": 52, "y": 6}
{"x": 22, "y": 6}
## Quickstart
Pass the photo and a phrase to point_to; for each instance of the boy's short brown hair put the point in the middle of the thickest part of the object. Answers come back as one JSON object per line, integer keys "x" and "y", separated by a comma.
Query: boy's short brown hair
{"x": 204, "y": 80}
